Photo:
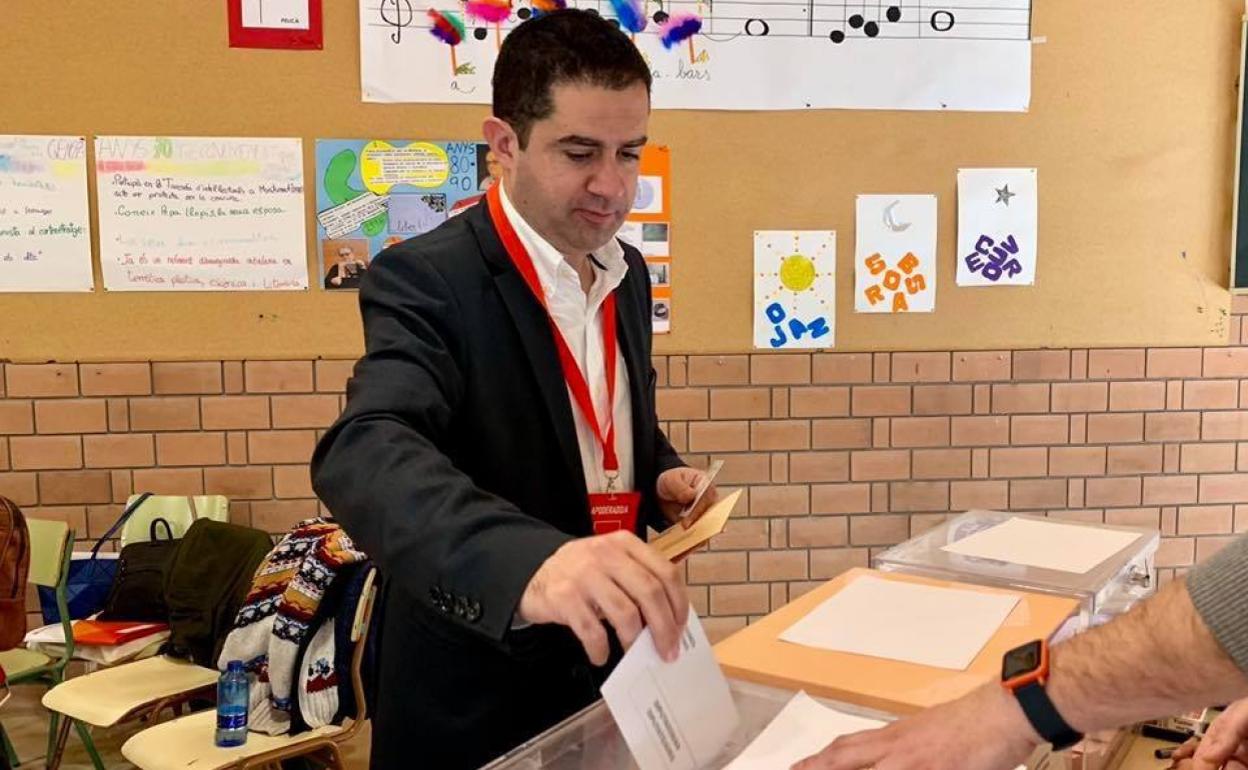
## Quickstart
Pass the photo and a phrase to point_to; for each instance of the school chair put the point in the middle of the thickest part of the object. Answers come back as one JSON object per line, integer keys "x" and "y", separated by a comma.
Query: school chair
{"x": 51, "y": 547}
{"x": 187, "y": 742}
{"x": 180, "y": 511}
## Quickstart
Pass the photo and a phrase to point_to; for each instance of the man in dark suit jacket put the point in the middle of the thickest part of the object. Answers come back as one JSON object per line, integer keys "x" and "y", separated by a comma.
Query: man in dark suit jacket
{"x": 459, "y": 463}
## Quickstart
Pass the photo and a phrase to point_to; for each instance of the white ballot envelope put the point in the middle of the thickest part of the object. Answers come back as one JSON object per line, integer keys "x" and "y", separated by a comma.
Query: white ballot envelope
{"x": 674, "y": 716}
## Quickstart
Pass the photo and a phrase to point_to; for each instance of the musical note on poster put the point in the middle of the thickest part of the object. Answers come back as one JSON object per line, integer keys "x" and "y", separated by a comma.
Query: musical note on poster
{"x": 743, "y": 54}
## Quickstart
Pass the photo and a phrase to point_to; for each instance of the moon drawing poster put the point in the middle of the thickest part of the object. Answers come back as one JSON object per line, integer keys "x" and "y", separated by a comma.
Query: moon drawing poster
{"x": 794, "y": 289}
{"x": 997, "y": 226}
{"x": 895, "y": 254}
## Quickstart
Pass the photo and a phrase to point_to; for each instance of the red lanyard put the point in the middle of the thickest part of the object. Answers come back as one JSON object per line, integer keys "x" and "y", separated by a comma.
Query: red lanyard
{"x": 571, "y": 370}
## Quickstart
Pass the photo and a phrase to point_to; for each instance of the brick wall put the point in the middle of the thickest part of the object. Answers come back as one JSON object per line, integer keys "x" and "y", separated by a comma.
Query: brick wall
{"x": 842, "y": 453}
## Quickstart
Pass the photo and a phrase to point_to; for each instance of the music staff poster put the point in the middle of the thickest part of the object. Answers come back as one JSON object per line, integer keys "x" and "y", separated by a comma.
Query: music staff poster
{"x": 731, "y": 54}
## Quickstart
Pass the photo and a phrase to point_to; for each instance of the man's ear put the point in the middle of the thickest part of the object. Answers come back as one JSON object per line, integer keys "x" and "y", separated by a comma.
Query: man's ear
{"x": 503, "y": 141}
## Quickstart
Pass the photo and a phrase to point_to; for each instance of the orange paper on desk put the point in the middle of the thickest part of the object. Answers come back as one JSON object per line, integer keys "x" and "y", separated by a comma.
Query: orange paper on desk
{"x": 108, "y": 632}
{"x": 678, "y": 541}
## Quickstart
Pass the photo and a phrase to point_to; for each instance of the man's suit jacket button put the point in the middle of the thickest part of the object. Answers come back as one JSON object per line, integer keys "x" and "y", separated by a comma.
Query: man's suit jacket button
{"x": 474, "y": 611}
{"x": 461, "y": 607}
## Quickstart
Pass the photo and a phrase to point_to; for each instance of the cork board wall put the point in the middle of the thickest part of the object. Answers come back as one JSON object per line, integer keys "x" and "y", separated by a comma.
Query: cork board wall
{"x": 1131, "y": 127}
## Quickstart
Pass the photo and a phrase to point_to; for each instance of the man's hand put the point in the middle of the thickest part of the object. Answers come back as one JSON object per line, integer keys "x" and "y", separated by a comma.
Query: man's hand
{"x": 985, "y": 730}
{"x": 1225, "y": 745}
{"x": 616, "y": 578}
{"x": 677, "y": 488}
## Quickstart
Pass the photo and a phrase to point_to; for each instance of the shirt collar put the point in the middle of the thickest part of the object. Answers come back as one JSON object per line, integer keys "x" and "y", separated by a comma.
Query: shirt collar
{"x": 549, "y": 261}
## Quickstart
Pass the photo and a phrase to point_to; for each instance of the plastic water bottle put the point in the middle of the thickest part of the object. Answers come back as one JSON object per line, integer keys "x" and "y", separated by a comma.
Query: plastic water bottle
{"x": 233, "y": 696}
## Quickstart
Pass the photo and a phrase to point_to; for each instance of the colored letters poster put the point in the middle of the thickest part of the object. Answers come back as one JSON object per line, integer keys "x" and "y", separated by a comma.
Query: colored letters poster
{"x": 794, "y": 289}
{"x": 997, "y": 226}
{"x": 201, "y": 213}
{"x": 895, "y": 254}
{"x": 45, "y": 232}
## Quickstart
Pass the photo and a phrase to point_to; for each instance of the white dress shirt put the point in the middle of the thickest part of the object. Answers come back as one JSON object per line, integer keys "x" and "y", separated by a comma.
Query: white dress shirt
{"x": 579, "y": 317}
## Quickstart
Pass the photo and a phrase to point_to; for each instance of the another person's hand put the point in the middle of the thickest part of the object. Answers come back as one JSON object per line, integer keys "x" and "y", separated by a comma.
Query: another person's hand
{"x": 1225, "y": 744}
{"x": 985, "y": 730}
{"x": 677, "y": 488}
{"x": 615, "y": 577}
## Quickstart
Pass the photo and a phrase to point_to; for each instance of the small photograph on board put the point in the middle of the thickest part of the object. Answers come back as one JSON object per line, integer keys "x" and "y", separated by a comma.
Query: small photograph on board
{"x": 660, "y": 273}
{"x": 345, "y": 261}
{"x": 794, "y": 289}
{"x": 649, "y": 199}
{"x": 997, "y": 226}
{"x": 895, "y": 254}
{"x": 655, "y": 238}
{"x": 661, "y": 317}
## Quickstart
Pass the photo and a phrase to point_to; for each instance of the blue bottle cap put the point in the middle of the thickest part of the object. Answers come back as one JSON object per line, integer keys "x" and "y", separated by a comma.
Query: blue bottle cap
{"x": 234, "y": 665}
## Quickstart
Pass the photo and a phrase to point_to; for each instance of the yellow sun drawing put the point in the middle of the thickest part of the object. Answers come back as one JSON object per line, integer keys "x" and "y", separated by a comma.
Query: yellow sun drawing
{"x": 798, "y": 268}
{"x": 797, "y": 272}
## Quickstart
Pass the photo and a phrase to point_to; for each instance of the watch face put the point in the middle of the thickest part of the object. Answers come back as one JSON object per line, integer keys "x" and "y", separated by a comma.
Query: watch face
{"x": 1021, "y": 660}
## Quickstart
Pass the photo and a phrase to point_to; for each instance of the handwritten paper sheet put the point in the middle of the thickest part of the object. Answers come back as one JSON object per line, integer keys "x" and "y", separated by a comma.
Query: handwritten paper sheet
{"x": 802, "y": 728}
{"x": 895, "y": 254}
{"x": 750, "y": 55}
{"x": 1045, "y": 544}
{"x": 201, "y": 214}
{"x": 45, "y": 232}
{"x": 928, "y": 625}
{"x": 997, "y": 226}
{"x": 674, "y": 716}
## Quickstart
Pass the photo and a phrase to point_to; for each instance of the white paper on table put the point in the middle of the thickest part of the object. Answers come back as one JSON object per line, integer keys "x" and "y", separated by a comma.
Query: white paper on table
{"x": 794, "y": 289}
{"x": 928, "y": 625}
{"x": 759, "y": 55}
{"x": 276, "y": 14}
{"x": 201, "y": 213}
{"x": 802, "y": 728}
{"x": 45, "y": 231}
{"x": 674, "y": 716}
{"x": 1045, "y": 544}
{"x": 997, "y": 226}
{"x": 895, "y": 254}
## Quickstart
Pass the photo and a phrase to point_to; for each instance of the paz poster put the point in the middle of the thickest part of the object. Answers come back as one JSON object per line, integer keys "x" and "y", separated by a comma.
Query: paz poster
{"x": 794, "y": 289}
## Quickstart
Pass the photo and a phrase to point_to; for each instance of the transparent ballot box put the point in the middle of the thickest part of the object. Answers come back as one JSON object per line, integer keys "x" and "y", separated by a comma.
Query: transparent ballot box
{"x": 1107, "y": 589}
{"x": 589, "y": 739}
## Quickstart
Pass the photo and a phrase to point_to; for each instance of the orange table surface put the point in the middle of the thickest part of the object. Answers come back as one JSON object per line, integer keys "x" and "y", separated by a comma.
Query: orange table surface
{"x": 756, "y": 653}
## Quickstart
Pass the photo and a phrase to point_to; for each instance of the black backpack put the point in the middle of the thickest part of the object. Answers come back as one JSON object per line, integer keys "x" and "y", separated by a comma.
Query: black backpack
{"x": 138, "y": 591}
{"x": 207, "y": 583}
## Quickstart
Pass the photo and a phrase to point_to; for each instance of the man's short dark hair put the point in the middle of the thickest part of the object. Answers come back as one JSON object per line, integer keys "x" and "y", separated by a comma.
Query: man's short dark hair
{"x": 567, "y": 46}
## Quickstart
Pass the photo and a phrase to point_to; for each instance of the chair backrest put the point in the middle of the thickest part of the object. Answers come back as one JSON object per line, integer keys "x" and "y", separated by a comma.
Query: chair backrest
{"x": 51, "y": 549}
{"x": 359, "y": 635}
{"x": 51, "y": 543}
{"x": 179, "y": 510}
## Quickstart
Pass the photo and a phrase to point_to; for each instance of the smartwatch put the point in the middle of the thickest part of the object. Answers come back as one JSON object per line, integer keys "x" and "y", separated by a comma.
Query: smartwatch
{"x": 1024, "y": 671}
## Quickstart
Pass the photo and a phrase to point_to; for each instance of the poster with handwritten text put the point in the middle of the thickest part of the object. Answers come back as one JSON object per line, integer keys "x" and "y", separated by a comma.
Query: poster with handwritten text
{"x": 201, "y": 213}
{"x": 731, "y": 54}
{"x": 997, "y": 226}
{"x": 45, "y": 232}
{"x": 794, "y": 289}
{"x": 895, "y": 254}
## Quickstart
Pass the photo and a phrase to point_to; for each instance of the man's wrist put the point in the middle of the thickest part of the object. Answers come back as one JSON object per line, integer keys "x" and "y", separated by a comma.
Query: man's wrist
{"x": 1003, "y": 702}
